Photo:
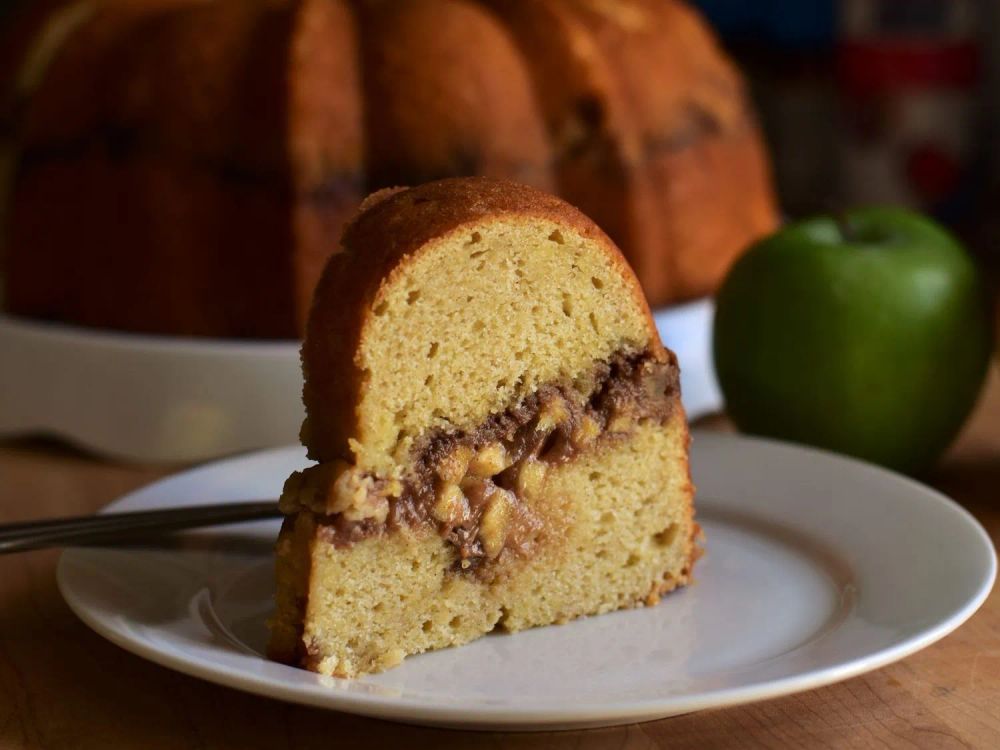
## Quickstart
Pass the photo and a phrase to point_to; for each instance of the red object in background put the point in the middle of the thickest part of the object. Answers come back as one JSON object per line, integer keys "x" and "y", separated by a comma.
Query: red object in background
{"x": 884, "y": 66}
{"x": 908, "y": 71}
{"x": 932, "y": 172}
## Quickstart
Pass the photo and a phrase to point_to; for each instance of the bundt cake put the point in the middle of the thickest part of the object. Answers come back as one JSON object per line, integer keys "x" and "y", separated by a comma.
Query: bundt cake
{"x": 182, "y": 165}
{"x": 498, "y": 430}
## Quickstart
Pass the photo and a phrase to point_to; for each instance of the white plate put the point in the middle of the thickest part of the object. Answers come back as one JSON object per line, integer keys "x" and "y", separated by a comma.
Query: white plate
{"x": 817, "y": 568}
{"x": 148, "y": 398}
{"x": 168, "y": 398}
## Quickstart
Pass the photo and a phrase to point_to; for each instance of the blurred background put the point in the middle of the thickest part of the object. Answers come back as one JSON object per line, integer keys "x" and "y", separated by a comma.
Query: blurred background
{"x": 877, "y": 101}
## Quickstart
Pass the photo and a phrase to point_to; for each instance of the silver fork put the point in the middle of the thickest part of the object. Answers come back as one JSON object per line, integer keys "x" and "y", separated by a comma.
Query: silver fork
{"x": 109, "y": 529}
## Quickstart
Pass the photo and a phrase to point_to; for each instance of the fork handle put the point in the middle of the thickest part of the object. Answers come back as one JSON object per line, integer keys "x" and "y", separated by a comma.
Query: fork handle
{"x": 121, "y": 528}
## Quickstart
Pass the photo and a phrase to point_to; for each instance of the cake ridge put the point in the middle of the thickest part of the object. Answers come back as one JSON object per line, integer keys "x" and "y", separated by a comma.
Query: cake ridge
{"x": 670, "y": 165}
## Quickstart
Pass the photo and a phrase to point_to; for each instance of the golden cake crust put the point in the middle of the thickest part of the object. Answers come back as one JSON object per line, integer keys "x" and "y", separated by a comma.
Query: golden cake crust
{"x": 376, "y": 244}
{"x": 437, "y": 75}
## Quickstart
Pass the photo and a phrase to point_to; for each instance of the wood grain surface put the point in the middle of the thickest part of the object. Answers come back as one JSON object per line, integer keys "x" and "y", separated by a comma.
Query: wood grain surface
{"x": 62, "y": 686}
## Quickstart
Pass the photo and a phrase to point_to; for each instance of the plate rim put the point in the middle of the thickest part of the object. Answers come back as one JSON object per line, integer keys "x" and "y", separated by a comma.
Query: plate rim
{"x": 528, "y": 718}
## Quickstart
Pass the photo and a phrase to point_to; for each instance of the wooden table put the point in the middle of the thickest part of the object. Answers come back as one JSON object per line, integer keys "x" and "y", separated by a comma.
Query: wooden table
{"x": 62, "y": 686}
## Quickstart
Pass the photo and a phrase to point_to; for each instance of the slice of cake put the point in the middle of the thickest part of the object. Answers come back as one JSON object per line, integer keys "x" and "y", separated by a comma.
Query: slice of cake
{"x": 498, "y": 430}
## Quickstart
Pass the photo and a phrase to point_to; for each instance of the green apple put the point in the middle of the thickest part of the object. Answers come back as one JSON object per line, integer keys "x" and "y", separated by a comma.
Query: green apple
{"x": 867, "y": 333}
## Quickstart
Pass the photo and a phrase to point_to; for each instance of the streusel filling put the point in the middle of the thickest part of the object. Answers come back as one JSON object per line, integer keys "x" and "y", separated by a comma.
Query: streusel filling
{"x": 471, "y": 486}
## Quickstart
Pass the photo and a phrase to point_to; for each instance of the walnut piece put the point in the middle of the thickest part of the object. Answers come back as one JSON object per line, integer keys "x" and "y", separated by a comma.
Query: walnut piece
{"x": 495, "y": 524}
{"x": 553, "y": 413}
{"x": 586, "y": 432}
{"x": 489, "y": 461}
{"x": 337, "y": 487}
{"x": 454, "y": 466}
{"x": 530, "y": 477}
{"x": 353, "y": 495}
{"x": 451, "y": 505}
{"x": 622, "y": 419}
